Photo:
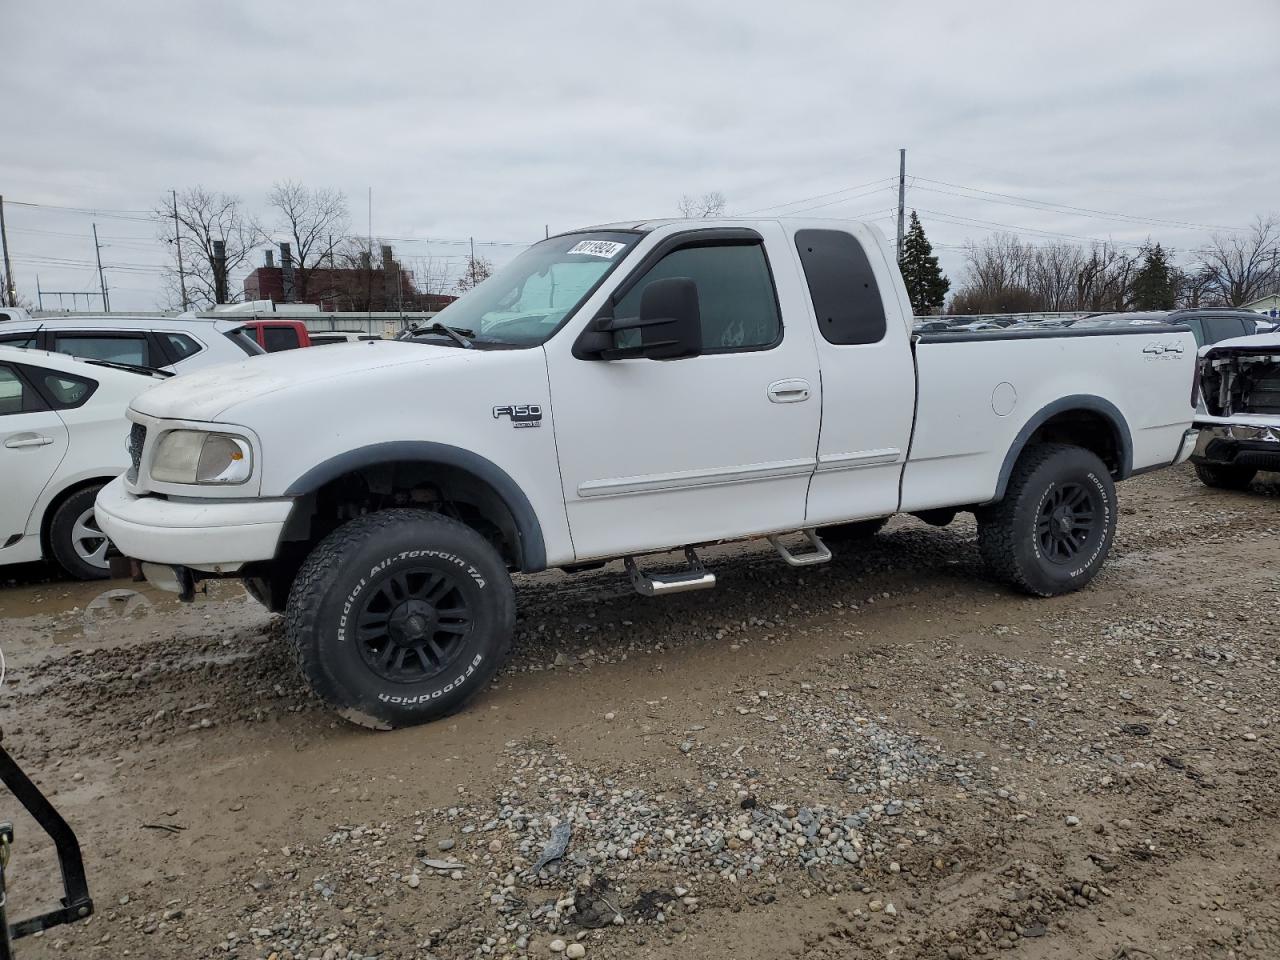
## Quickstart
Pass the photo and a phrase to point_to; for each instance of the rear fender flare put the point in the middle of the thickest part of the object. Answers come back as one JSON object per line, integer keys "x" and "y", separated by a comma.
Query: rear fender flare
{"x": 1093, "y": 404}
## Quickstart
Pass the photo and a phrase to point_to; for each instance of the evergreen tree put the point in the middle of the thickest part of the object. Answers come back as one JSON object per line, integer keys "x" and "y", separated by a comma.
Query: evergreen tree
{"x": 926, "y": 284}
{"x": 1155, "y": 283}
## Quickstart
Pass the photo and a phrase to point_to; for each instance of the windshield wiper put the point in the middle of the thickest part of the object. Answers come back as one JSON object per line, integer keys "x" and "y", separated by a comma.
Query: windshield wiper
{"x": 456, "y": 334}
{"x": 131, "y": 367}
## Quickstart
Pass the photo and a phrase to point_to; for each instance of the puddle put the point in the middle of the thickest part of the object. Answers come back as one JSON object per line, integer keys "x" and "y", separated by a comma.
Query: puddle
{"x": 50, "y": 618}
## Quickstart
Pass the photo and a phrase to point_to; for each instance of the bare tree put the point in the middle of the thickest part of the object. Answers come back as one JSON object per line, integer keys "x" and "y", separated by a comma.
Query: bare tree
{"x": 700, "y": 208}
{"x": 1105, "y": 280}
{"x": 204, "y": 220}
{"x": 1051, "y": 274}
{"x": 314, "y": 221}
{"x": 1007, "y": 275}
{"x": 477, "y": 270}
{"x": 1237, "y": 268}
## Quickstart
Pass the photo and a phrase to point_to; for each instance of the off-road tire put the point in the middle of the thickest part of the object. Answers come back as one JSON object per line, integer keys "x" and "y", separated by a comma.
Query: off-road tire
{"x": 1009, "y": 532}
{"x": 355, "y": 564}
{"x": 62, "y": 530}
{"x": 1223, "y": 476}
{"x": 843, "y": 534}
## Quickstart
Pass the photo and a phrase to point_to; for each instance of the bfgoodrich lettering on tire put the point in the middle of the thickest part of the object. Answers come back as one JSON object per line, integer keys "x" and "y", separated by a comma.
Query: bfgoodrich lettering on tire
{"x": 1053, "y": 529}
{"x": 400, "y": 616}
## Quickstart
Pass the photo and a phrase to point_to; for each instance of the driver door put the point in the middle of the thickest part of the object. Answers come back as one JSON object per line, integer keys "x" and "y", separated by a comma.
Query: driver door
{"x": 657, "y": 454}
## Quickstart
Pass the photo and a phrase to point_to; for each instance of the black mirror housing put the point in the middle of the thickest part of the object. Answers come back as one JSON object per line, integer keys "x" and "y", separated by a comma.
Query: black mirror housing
{"x": 670, "y": 319}
{"x": 670, "y": 325}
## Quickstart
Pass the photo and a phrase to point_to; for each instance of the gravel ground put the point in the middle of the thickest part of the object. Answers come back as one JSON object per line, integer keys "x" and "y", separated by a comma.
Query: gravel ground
{"x": 887, "y": 756}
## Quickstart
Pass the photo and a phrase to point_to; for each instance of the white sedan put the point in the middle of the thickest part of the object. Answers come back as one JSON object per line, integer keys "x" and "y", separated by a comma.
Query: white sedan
{"x": 63, "y": 435}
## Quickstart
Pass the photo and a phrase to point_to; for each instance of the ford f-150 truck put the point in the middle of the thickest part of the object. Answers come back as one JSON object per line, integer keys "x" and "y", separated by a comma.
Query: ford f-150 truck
{"x": 618, "y": 392}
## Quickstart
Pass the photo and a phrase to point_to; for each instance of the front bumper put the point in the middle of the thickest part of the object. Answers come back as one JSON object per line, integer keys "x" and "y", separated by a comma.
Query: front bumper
{"x": 214, "y": 536}
{"x": 1255, "y": 445}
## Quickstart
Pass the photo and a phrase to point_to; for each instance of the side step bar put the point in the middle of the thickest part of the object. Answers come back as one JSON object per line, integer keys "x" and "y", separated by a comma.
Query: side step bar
{"x": 819, "y": 554}
{"x": 696, "y": 577}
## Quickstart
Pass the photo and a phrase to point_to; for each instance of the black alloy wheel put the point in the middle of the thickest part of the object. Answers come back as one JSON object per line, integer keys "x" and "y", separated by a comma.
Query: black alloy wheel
{"x": 413, "y": 624}
{"x": 1067, "y": 519}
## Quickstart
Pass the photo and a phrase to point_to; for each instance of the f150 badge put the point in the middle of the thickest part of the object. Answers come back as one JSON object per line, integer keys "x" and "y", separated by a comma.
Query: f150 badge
{"x": 520, "y": 414}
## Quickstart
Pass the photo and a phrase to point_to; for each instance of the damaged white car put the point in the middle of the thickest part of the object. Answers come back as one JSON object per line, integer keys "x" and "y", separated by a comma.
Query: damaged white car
{"x": 1240, "y": 433}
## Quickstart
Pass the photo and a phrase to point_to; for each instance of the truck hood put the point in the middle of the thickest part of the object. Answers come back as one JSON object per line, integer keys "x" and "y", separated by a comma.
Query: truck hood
{"x": 208, "y": 394}
{"x": 1258, "y": 343}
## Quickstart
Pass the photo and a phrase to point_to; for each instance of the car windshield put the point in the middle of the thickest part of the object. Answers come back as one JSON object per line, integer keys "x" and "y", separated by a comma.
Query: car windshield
{"x": 525, "y": 302}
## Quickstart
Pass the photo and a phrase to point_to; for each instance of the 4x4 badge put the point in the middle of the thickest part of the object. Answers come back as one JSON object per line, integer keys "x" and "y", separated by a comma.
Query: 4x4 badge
{"x": 520, "y": 414}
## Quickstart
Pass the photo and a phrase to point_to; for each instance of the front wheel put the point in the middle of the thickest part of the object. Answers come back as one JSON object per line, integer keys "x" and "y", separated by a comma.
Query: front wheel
{"x": 1053, "y": 529}
{"x": 399, "y": 617}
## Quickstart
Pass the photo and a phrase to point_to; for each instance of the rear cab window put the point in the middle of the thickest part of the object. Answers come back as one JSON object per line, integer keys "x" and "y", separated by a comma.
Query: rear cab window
{"x": 842, "y": 286}
{"x": 276, "y": 338}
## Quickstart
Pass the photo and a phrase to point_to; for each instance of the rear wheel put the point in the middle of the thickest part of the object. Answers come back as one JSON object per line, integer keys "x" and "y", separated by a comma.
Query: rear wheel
{"x": 1222, "y": 476}
{"x": 1053, "y": 529}
{"x": 399, "y": 617}
{"x": 76, "y": 540}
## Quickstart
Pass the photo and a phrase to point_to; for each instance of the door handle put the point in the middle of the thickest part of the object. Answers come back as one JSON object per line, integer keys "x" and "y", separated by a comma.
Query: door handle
{"x": 28, "y": 441}
{"x": 789, "y": 391}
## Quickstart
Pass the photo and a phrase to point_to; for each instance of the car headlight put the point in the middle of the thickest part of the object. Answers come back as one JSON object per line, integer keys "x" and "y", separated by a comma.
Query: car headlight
{"x": 193, "y": 456}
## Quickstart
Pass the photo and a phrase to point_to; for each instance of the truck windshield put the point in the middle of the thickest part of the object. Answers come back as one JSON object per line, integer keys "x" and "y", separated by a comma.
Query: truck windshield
{"x": 524, "y": 303}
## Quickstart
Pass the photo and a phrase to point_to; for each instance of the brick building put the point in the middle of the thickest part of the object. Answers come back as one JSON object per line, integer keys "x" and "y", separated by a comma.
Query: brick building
{"x": 365, "y": 285}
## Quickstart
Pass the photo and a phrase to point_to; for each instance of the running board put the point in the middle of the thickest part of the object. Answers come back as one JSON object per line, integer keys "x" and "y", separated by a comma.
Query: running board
{"x": 819, "y": 553}
{"x": 697, "y": 577}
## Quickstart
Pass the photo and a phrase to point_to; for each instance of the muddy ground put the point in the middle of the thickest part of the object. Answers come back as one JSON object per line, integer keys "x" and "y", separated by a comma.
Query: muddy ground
{"x": 888, "y": 756}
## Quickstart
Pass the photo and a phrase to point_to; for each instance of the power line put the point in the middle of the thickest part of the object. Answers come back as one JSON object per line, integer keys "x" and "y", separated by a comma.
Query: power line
{"x": 955, "y": 217}
{"x": 819, "y": 196}
{"x": 1014, "y": 200}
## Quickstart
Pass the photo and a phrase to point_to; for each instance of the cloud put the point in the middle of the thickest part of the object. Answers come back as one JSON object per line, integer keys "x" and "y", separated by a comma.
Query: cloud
{"x": 492, "y": 120}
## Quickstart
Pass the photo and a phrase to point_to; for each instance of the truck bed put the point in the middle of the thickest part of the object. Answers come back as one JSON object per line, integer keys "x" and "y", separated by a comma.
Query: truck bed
{"x": 980, "y": 392}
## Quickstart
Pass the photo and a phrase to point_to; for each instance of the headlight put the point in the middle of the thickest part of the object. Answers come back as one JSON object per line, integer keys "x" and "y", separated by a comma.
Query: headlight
{"x": 192, "y": 456}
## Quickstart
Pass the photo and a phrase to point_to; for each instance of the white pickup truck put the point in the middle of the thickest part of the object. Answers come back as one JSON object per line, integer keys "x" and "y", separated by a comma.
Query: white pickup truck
{"x": 620, "y": 391}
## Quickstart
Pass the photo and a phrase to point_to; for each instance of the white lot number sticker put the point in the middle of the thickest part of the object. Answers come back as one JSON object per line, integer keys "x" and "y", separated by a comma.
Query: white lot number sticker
{"x": 598, "y": 248}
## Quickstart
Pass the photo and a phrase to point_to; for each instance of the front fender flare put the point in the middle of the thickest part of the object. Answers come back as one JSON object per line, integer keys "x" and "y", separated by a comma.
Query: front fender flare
{"x": 532, "y": 550}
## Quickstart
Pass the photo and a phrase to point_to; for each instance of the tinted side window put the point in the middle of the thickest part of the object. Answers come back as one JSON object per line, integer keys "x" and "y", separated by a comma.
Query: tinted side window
{"x": 279, "y": 338}
{"x": 19, "y": 340}
{"x": 64, "y": 390}
{"x": 12, "y": 392}
{"x": 181, "y": 345}
{"x": 846, "y": 297}
{"x": 117, "y": 349}
{"x": 1222, "y": 328}
{"x": 735, "y": 295}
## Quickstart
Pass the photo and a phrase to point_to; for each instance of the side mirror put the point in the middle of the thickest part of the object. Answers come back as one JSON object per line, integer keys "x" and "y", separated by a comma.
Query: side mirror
{"x": 670, "y": 325}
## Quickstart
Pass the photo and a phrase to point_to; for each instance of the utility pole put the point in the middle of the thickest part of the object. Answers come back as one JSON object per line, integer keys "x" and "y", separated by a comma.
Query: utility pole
{"x": 177, "y": 242}
{"x": 102, "y": 280}
{"x": 902, "y": 194}
{"x": 220, "y": 271}
{"x": 9, "y": 295}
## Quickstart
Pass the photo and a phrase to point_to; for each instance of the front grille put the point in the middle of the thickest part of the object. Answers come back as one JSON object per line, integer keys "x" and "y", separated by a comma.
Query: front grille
{"x": 137, "y": 438}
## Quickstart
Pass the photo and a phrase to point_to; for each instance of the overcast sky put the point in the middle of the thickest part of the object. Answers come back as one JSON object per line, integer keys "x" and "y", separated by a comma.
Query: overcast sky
{"x": 494, "y": 119}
